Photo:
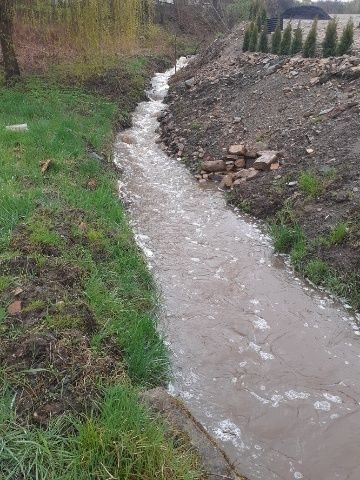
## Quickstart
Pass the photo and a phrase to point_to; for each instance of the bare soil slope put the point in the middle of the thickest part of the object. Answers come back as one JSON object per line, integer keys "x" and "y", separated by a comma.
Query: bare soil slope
{"x": 308, "y": 111}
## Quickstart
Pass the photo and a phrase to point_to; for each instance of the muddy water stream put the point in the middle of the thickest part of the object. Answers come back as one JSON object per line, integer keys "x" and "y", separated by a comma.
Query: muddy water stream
{"x": 270, "y": 367}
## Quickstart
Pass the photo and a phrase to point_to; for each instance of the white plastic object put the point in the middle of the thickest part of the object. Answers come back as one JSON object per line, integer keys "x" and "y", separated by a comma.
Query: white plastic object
{"x": 21, "y": 127}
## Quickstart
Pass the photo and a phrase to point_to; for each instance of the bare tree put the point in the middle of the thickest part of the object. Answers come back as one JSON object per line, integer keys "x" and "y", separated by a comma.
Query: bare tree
{"x": 11, "y": 65}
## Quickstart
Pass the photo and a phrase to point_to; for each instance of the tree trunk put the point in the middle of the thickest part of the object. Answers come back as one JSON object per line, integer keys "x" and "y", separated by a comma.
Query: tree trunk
{"x": 11, "y": 65}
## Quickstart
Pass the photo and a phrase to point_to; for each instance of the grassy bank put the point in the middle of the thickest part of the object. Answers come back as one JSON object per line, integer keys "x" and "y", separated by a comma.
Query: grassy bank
{"x": 78, "y": 338}
{"x": 305, "y": 254}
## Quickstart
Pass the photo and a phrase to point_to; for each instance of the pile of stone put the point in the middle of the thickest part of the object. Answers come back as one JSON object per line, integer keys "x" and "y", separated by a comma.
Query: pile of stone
{"x": 239, "y": 164}
{"x": 320, "y": 68}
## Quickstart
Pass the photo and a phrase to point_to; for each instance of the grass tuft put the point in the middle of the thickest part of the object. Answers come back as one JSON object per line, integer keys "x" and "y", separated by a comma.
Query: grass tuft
{"x": 338, "y": 234}
{"x": 317, "y": 271}
{"x": 286, "y": 236}
{"x": 310, "y": 184}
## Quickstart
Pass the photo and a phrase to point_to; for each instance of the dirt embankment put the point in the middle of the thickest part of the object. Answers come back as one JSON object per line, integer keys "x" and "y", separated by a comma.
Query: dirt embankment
{"x": 307, "y": 111}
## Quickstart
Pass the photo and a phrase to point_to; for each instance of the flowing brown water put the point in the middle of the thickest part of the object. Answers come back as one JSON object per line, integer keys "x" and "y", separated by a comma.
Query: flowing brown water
{"x": 270, "y": 367}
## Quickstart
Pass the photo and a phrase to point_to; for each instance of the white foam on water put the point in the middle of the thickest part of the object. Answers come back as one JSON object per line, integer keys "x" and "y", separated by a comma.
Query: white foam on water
{"x": 332, "y": 398}
{"x": 266, "y": 356}
{"x": 293, "y": 395}
{"x": 322, "y": 405}
{"x": 260, "y": 323}
{"x": 227, "y": 431}
{"x": 263, "y": 400}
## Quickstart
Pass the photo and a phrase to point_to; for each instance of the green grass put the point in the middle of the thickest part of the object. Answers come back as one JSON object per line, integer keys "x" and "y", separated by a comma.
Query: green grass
{"x": 4, "y": 283}
{"x": 119, "y": 288}
{"x": 63, "y": 222}
{"x": 310, "y": 184}
{"x": 288, "y": 237}
{"x": 34, "y": 305}
{"x": 195, "y": 125}
{"x": 317, "y": 271}
{"x": 124, "y": 441}
{"x": 42, "y": 235}
{"x": 338, "y": 234}
{"x": 299, "y": 252}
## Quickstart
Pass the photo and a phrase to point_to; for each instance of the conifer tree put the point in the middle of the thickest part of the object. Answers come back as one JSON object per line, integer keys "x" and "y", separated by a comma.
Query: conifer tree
{"x": 276, "y": 40}
{"x": 310, "y": 42}
{"x": 255, "y": 9}
{"x": 253, "y": 39}
{"x": 285, "y": 45}
{"x": 252, "y": 12}
{"x": 259, "y": 23}
{"x": 246, "y": 41}
{"x": 330, "y": 40}
{"x": 263, "y": 41}
{"x": 263, "y": 16}
{"x": 346, "y": 39}
{"x": 297, "y": 42}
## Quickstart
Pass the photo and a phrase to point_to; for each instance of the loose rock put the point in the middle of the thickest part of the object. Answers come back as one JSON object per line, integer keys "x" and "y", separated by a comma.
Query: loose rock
{"x": 213, "y": 165}
{"x": 267, "y": 157}
{"x": 240, "y": 163}
{"x": 227, "y": 181}
{"x": 237, "y": 150}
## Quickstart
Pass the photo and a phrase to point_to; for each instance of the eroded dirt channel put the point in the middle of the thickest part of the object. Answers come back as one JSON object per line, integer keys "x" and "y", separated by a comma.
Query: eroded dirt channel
{"x": 267, "y": 365}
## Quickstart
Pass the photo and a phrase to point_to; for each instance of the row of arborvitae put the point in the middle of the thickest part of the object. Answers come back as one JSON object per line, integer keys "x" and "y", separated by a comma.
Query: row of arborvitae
{"x": 331, "y": 46}
{"x": 291, "y": 43}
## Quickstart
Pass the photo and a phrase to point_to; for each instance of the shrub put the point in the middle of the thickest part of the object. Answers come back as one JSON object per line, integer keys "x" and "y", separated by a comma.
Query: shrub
{"x": 330, "y": 40}
{"x": 263, "y": 42}
{"x": 246, "y": 41}
{"x": 276, "y": 40}
{"x": 285, "y": 45}
{"x": 297, "y": 43}
{"x": 346, "y": 39}
{"x": 253, "y": 39}
{"x": 310, "y": 42}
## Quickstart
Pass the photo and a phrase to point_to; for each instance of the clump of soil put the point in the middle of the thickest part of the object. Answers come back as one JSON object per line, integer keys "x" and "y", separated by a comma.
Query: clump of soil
{"x": 307, "y": 110}
{"x": 54, "y": 372}
{"x": 45, "y": 342}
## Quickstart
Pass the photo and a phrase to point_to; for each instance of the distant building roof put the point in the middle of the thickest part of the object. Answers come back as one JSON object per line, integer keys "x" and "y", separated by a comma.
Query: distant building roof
{"x": 306, "y": 12}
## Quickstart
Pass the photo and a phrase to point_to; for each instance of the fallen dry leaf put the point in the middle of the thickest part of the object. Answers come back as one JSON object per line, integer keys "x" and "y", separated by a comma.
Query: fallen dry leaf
{"x": 83, "y": 226}
{"x": 91, "y": 184}
{"x": 17, "y": 291}
{"x": 44, "y": 165}
{"x": 14, "y": 308}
